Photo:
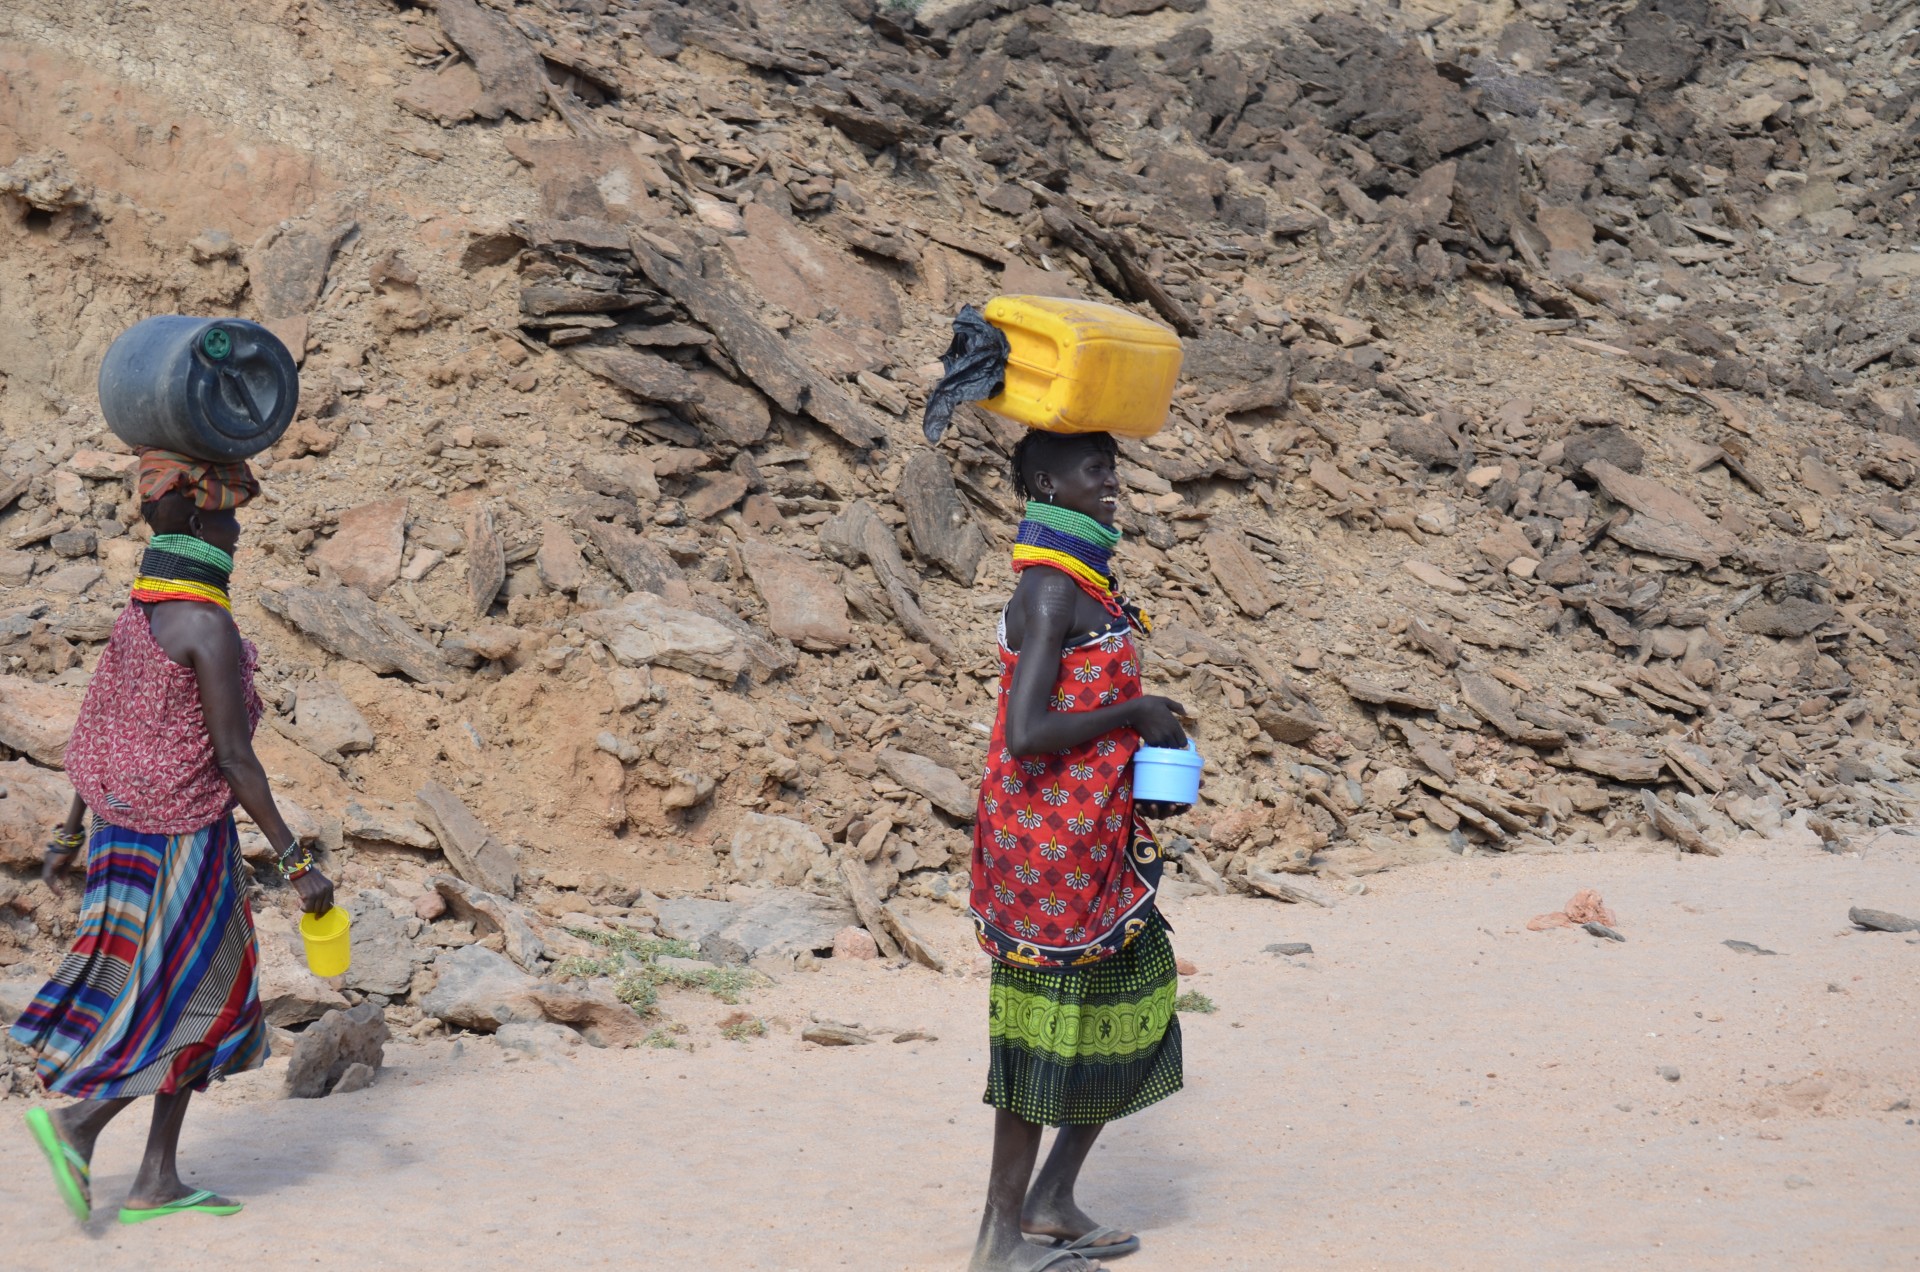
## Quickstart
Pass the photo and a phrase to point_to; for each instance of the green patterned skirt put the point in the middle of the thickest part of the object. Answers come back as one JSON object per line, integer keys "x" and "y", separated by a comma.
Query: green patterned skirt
{"x": 1078, "y": 1048}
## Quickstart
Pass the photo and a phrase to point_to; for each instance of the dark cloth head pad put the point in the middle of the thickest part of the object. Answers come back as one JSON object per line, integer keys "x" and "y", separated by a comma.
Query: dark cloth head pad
{"x": 976, "y": 368}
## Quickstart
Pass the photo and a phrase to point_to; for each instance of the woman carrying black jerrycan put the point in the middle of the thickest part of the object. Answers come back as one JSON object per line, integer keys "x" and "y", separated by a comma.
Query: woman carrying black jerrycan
{"x": 159, "y": 994}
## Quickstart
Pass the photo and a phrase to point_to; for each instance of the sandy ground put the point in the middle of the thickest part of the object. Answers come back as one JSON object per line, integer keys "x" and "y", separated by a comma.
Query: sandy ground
{"x": 1434, "y": 1087}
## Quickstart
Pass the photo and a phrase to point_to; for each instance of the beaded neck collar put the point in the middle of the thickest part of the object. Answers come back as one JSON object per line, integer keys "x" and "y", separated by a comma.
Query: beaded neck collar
{"x": 1078, "y": 546}
{"x": 179, "y": 567}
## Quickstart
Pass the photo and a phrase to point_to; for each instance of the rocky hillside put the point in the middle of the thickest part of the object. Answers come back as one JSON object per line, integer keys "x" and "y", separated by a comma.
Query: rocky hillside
{"x": 1541, "y": 475}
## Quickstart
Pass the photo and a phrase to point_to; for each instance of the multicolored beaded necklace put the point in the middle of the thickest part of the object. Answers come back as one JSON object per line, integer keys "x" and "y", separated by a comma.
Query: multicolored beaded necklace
{"x": 1076, "y": 545}
{"x": 179, "y": 567}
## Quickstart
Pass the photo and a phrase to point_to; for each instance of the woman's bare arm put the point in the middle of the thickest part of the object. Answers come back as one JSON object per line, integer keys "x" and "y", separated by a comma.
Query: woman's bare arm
{"x": 57, "y": 862}
{"x": 206, "y": 639}
{"x": 1045, "y": 601}
{"x": 76, "y": 817}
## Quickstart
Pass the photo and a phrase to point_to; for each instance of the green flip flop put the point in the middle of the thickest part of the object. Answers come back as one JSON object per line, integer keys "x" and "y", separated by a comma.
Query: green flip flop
{"x": 70, "y": 1171}
{"x": 201, "y": 1202}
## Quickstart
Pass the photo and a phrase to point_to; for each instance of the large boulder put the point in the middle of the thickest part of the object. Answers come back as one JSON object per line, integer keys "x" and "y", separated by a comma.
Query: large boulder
{"x": 16, "y": 995}
{"x": 481, "y": 990}
{"x": 559, "y": 560}
{"x": 36, "y": 720}
{"x": 804, "y": 603}
{"x": 325, "y": 714}
{"x": 938, "y": 521}
{"x": 339, "y": 1041}
{"x": 385, "y": 825}
{"x": 692, "y": 919}
{"x": 33, "y": 801}
{"x": 343, "y": 621}
{"x": 776, "y": 851}
{"x": 383, "y": 959}
{"x": 945, "y": 789}
{"x": 644, "y": 630}
{"x": 795, "y": 268}
{"x": 604, "y": 1021}
{"x": 366, "y": 550}
{"x": 290, "y": 994}
{"x": 491, "y": 913}
{"x": 477, "y": 989}
{"x": 470, "y": 847}
{"x": 779, "y": 923}
{"x": 539, "y": 1039}
{"x": 757, "y": 923}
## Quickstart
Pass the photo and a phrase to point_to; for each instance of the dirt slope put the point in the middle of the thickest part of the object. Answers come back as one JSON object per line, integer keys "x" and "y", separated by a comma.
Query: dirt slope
{"x": 1542, "y": 477}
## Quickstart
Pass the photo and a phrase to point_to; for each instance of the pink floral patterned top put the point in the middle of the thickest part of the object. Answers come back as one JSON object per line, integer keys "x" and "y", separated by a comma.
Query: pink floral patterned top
{"x": 141, "y": 756}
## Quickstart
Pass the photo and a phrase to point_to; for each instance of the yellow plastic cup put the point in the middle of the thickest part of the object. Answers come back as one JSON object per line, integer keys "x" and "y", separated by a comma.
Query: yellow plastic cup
{"x": 328, "y": 942}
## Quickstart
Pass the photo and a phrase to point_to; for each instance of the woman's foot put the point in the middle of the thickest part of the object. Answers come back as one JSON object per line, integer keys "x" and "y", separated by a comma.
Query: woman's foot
{"x": 1066, "y": 1222}
{"x": 71, "y": 1168}
{"x": 159, "y": 1196}
{"x": 197, "y": 1202}
{"x": 1024, "y": 1256}
{"x": 79, "y": 1133}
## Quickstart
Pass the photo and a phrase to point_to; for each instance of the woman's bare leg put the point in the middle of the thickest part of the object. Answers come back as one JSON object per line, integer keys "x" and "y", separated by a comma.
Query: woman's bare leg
{"x": 80, "y": 1125}
{"x": 159, "y": 1179}
{"x": 1049, "y": 1209}
{"x": 1016, "y": 1146}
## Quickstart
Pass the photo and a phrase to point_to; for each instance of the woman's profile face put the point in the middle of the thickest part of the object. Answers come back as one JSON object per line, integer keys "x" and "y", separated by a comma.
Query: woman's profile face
{"x": 1087, "y": 483}
{"x": 221, "y": 529}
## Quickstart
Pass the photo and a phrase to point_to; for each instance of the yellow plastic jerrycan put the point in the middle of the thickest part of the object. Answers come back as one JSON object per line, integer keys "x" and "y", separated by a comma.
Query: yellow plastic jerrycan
{"x": 1077, "y": 366}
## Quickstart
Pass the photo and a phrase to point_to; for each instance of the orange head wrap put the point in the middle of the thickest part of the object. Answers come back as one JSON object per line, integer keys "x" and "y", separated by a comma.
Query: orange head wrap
{"x": 213, "y": 487}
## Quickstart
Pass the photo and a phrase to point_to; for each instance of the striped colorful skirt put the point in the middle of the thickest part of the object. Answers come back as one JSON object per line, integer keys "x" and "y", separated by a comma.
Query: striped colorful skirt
{"x": 1077, "y": 1048}
{"x": 160, "y": 992}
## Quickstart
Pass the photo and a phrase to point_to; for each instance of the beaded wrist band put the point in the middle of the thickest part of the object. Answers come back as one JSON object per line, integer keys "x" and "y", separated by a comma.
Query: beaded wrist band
{"x": 64, "y": 844}
{"x": 293, "y": 870}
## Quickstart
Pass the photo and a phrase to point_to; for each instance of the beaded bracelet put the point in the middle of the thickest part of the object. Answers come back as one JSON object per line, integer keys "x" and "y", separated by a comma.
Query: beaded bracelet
{"x": 64, "y": 845}
{"x": 299, "y": 867}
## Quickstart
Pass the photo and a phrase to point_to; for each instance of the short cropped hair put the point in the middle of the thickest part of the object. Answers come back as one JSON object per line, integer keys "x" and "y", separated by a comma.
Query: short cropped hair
{"x": 1043, "y": 452}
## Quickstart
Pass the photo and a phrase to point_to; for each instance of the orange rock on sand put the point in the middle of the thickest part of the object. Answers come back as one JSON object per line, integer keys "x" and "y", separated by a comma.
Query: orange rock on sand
{"x": 1586, "y": 907}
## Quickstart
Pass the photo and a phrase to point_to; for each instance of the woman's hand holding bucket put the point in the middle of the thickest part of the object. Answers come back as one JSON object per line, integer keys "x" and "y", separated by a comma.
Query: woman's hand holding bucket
{"x": 1157, "y": 721}
{"x": 316, "y": 892}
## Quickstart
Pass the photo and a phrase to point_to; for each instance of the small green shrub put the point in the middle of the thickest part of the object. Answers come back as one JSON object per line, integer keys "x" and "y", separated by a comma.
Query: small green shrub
{"x": 637, "y": 992}
{"x": 730, "y": 984}
{"x": 638, "y": 944}
{"x": 632, "y": 963}
{"x": 1195, "y": 1001}
{"x": 635, "y": 986}
{"x": 581, "y": 968}
{"x": 740, "y": 1026}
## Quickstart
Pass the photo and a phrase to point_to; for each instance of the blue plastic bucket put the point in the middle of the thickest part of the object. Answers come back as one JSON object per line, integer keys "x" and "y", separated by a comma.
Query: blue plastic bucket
{"x": 1167, "y": 775}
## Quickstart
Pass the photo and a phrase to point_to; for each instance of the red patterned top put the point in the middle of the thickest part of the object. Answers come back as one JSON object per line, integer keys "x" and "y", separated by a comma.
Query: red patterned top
{"x": 1064, "y": 873}
{"x": 141, "y": 756}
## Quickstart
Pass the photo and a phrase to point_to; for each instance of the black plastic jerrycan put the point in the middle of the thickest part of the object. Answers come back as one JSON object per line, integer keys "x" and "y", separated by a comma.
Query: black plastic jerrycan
{"x": 214, "y": 388}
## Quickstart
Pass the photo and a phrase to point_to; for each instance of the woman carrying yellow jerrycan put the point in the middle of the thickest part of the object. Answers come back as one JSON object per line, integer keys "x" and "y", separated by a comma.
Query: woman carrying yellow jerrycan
{"x": 1081, "y": 1021}
{"x": 160, "y": 993}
